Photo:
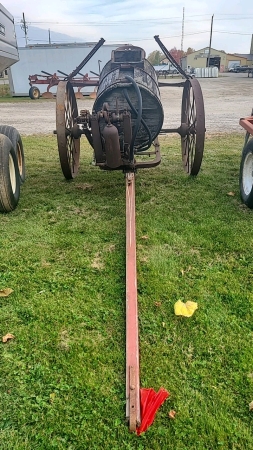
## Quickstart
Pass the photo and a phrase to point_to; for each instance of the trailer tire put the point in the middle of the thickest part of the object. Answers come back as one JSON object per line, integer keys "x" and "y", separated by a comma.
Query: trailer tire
{"x": 17, "y": 144}
{"x": 246, "y": 174}
{"x": 9, "y": 176}
{"x": 34, "y": 93}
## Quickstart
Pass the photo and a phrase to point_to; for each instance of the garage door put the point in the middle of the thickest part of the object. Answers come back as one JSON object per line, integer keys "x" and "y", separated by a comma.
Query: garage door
{"x": 233, "y": 63}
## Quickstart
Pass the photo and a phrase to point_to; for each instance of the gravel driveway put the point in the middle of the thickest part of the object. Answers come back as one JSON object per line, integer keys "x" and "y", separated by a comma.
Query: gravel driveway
{"x": 226, "y": 99}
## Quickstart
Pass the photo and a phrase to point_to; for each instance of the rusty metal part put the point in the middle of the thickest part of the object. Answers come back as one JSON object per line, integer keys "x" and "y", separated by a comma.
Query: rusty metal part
{"x": 133, "y": 412}
{"x": 142, "y": 164}
{"x": 84, "y": 117}
{"x": 127, "y": 130}
{"x": 94, "y": 73}
{"x": 247, "y": 124}
{"x": 93, "y": 94}
{"x": 192, "y": 119}
{"x": 47, "y": 94}
{"x": 66, "y": 113}
{"x": 76, "y": 131}
{"x": 180, "y": 84}
{"x": 62, "y": 73}
{"x": 79, "y": 95}
{"x": 132, "y": 400}
{"x": 182, "y": 130}
{"x": 53, "y": 80}
{"x": 47, "y": 73}
{"x": 86, "y": 59}
{"x": 154, "y": 162}
{"x": 170, "y": 58}
{"x": 96, "y": 138}
{"x": 112, "y": 146}
{"x": 49, "y": 79}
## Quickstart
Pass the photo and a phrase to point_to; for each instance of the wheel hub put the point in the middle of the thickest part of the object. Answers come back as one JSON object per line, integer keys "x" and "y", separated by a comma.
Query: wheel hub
{"x": 12, "y": 174}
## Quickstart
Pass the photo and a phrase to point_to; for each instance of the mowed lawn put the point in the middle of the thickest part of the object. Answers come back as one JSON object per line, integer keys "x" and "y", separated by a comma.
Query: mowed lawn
{"x": 62, "y": 380}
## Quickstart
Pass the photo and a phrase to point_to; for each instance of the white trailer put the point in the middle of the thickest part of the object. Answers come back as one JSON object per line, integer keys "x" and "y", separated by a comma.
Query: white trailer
{"x": 12, "y": 163}
{"x": 52, "y": 58}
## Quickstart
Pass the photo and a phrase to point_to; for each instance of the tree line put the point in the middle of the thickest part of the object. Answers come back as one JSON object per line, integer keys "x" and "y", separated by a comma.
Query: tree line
{"x": 156, "y": 56}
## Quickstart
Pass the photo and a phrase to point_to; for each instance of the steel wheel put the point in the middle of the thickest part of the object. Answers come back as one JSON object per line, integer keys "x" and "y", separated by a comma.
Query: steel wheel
{"x": 193, "y": 115}
{"x": 66, "y": 112}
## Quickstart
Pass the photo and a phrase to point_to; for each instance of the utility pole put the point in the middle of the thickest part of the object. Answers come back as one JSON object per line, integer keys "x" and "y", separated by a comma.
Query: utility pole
{"x": 24, "y": 27}
{"x": 49, "y": 37}
{"x": 182, "y": 40}
{"x": 210, "y": 43}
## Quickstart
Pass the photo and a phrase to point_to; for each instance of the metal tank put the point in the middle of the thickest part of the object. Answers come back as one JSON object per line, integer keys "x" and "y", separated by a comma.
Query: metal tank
{"x": 129, "y": 82}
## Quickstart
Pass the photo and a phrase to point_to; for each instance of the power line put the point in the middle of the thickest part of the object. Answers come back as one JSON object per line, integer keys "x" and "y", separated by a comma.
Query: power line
{"x": 167, "y": 20}
{"x": 233, "y": 32}
{"x": 162, "y": 37}
{"x": 118, "y": 41}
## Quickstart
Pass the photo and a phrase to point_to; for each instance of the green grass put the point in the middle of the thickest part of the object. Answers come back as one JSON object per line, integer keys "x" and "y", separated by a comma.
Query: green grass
{"x": 63, "y": 253}
{"x": 4, "y": 91}
{"x": 6, "y": 97}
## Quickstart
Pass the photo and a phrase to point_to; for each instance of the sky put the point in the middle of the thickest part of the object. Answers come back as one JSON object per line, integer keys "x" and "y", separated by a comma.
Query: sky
{"x": 137, "y": 21}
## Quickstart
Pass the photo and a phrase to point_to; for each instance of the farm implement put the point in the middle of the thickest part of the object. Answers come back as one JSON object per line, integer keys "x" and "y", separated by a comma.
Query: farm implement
{"x": 123, "y": 128}
{"x": 76, "y": 78}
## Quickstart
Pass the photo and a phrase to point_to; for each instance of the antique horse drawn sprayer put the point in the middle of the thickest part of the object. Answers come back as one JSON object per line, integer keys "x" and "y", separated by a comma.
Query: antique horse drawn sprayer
{"x": 123, "y": 129}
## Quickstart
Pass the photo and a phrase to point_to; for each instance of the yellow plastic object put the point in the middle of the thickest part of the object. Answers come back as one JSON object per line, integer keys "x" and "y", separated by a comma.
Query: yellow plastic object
{"x": 5, "y": 292}
{"x": 185, "y": 309}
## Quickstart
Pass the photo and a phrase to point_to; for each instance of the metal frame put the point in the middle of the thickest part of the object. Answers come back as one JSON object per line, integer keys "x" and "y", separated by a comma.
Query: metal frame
{"x": 112, "y": 154}
{"x": 247, "y": 124}
{"x": 53, "y": 79}
{"x": 133, "y": 412}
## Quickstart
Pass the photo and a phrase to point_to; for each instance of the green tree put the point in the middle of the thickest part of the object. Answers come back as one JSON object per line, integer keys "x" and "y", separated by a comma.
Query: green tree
{"x": 155, "y": 57}
{"x": 189, "y": 51}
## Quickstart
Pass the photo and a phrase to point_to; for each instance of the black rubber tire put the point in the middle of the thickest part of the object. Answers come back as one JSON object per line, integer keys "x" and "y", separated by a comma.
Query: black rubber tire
{"x": 246, "y": 174}
{"x": 34, "y": 93}
{"x": 9, "y": 176}
{"x": 17, "y": 144}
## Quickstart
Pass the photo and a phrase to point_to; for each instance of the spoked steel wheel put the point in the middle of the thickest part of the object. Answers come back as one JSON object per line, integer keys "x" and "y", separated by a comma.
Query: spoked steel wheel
{"x": 246, "y": 174}
{"x": 193, "y": 122}
{"x": 66, "y": 113}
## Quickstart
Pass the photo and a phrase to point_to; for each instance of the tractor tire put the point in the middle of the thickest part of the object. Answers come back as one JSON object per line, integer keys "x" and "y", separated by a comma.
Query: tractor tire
{"x": 34, "y": 93}
{"x": 9, "y": 176}
{"x": 17, "y": 144}
{"x": 246, "y": 174}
